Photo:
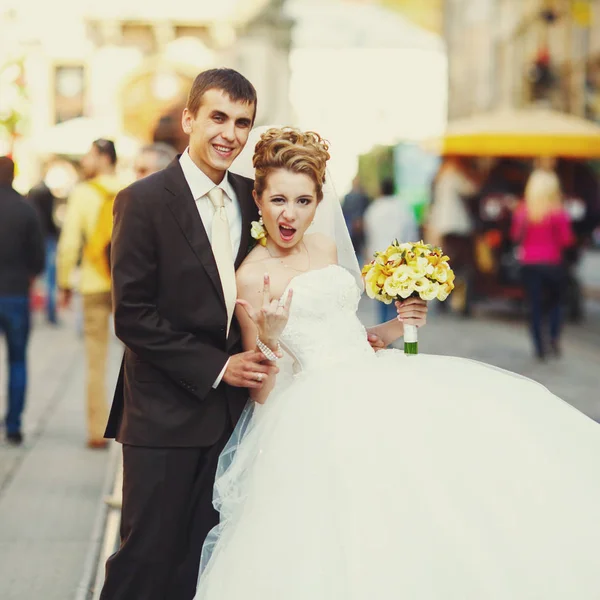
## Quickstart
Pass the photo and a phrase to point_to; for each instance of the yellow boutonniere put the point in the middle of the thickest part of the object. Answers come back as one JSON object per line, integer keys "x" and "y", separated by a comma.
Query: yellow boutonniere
{"x": 259, "y": 233}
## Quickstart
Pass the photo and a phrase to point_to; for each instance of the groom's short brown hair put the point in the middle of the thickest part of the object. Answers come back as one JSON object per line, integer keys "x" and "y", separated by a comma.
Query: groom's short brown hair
{"x": 234, "y": 84}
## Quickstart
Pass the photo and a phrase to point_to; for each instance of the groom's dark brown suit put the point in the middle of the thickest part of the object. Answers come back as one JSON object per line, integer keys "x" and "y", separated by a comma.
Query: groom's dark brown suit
{"x": 170, "y": 314}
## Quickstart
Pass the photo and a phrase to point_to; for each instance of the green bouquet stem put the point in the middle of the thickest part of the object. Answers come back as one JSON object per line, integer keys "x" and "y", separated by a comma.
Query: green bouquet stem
{"x": 411, "y": 340}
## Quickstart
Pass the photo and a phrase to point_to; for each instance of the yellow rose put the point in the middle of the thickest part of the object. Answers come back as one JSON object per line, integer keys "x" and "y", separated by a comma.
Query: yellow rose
{"x": 440, "y": 273}
{"x": 443, "y": 293}
{"x": 448, "y": 287}
{"x": 392, "y": 288}
{"x": 417, "y": 271}
{"x": 406, "y": 289}
{"x": 431, "y": 291}
{"x": 402, "y": 273}
{"x": 420, "y": 285}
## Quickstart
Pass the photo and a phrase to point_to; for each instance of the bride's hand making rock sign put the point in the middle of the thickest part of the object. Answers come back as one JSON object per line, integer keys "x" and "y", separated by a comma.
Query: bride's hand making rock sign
{"x": 272, "y": 317}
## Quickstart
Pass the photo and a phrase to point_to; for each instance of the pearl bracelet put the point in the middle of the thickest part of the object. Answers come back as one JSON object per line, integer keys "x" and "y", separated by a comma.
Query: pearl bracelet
{"x": 267, "y": 352}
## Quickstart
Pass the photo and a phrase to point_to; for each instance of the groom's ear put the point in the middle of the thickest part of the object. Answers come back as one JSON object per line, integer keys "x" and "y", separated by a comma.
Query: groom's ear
{"x": 186, "y": 121}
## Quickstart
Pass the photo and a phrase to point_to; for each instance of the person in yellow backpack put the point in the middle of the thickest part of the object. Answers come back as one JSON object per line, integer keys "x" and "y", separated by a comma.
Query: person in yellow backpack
{"x": 85, "y": 237}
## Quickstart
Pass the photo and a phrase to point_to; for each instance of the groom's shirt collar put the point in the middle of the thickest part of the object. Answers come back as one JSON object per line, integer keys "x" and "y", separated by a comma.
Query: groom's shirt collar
{"x": 200, "y": 183}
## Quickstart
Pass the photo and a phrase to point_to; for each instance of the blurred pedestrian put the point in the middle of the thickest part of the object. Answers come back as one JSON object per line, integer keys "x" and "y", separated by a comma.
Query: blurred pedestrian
{"x": 152, "y": 158}
{"x": 86, "y": 234}
{"x": 354, "y": 206}
{"x": 542, "y": 229}
{"x": 168, "y": 128}
{"x": 388, "y": 218}
{"x": 21, "y": 260}
{"x": 44, "y": 202}
{"x": 450, "y": 224}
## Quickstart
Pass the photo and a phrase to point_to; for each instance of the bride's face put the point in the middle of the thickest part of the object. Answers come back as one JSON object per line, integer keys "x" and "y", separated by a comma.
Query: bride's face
{"x": 288, "y": 206}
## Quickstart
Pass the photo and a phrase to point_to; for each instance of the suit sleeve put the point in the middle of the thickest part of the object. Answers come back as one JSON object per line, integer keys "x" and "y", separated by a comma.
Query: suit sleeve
{"x": 188, "y": 360}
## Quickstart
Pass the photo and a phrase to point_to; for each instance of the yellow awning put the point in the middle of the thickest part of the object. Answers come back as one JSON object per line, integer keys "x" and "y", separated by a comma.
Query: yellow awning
{"x": 521, "y": 133}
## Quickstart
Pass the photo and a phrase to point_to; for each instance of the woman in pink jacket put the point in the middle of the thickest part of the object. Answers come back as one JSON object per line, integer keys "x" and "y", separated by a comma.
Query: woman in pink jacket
{"x": 542, "y": 229}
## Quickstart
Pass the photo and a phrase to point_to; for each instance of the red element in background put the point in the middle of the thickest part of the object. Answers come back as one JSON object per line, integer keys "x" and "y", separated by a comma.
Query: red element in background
{"x": 543, "y": 56}
{"x": 493, "y": 238}
{"x": 37, "y": 300}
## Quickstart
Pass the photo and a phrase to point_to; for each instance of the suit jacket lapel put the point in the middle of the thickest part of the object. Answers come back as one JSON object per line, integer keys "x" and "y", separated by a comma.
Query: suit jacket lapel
{"x": 243, "y": 191}
{"x": 184, "y": 209}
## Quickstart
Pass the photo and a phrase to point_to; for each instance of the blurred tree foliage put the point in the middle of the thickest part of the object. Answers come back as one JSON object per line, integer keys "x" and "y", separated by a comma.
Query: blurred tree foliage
{"x": 13, "y": 90}
{"x": 375, "y": 166}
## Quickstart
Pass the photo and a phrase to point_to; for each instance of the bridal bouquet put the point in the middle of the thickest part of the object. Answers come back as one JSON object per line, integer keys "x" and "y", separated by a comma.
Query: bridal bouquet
{"x": 405, "y": 270}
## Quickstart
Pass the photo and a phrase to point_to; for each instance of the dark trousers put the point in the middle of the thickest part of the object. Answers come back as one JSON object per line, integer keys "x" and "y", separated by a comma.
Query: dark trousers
{"x": 15, "y": 322}
{"x": 50, "y": 275}
{"x": 166, "y": 516}
{"x": 461, "y": 250}
{"x": 545, "y": 287}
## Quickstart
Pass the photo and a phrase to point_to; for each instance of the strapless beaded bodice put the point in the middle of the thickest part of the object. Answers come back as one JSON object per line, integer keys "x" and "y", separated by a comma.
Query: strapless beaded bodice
{"x": 323, "y": 328}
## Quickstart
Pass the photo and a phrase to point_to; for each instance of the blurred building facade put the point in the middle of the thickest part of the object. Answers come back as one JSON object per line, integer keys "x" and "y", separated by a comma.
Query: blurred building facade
{"x": 519, "y": 52}
{"x": 112, "y": 69}
{"x": 427, "y": 14}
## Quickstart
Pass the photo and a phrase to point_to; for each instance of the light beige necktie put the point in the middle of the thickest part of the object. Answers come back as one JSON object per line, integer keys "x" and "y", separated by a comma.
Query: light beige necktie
{"x": 222, "y": 251}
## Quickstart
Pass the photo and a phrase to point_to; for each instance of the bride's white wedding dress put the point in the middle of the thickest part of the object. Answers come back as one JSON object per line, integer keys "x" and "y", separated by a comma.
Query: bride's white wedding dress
{"x": 381, "y": 477}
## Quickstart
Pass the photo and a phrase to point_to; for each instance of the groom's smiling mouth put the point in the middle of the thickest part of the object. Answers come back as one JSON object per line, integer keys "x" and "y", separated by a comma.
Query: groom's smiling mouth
{"x": 286, "y": 232}
{"x": 224, "y": 151}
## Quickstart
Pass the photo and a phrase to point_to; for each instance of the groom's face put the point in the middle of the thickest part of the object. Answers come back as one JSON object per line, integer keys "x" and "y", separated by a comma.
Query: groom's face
{"x": 218, "y": 132}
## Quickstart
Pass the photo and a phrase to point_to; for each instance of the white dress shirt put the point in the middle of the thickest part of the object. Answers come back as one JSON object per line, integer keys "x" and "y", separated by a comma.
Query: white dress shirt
{"x": 200, "y": 184}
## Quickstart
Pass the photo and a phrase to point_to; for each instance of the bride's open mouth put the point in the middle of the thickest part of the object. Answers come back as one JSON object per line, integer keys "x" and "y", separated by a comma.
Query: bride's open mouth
{"x": 286, "y": 233}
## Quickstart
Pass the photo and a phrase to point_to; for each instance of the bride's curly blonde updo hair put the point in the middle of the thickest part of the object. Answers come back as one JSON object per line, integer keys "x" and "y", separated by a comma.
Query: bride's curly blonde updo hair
{"x": 291, "y": 149}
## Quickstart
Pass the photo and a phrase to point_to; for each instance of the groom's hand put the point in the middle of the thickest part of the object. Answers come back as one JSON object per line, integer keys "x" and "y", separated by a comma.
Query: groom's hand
{"x": 249, "y": 370}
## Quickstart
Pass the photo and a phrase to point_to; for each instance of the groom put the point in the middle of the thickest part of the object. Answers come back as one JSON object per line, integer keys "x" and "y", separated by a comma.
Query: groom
{"x": 178, "y": 236}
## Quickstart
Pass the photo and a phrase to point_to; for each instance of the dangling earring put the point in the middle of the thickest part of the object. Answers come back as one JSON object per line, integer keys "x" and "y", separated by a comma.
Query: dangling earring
{"x": 258, "y": 231}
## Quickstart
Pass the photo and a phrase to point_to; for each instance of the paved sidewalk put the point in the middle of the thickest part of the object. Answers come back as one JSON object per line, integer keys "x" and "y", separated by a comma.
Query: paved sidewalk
{"x": 589, "y": 273}
{"x": 51, "y": 487}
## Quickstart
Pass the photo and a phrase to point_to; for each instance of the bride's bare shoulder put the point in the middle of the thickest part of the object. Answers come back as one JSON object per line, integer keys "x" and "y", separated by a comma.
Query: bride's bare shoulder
{"x": 253, "y": 266}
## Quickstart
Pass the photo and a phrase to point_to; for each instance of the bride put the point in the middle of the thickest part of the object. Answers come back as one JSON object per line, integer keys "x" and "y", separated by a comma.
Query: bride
{"x": 358, "y": 475}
